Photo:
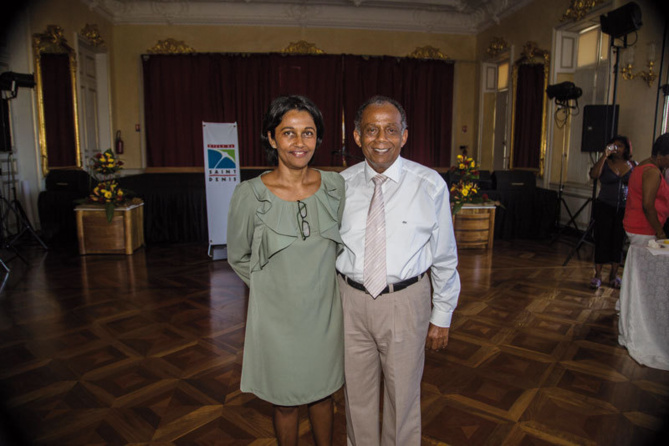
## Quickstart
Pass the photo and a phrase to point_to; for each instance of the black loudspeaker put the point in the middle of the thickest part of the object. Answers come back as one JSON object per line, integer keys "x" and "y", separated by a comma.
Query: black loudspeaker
{"x": 599, "y": 126}
{"x": 514, "y": 180}
{"x": 73, "y": 180}
{"x": 485, "y": 180}
{"x": 621, "y": 21}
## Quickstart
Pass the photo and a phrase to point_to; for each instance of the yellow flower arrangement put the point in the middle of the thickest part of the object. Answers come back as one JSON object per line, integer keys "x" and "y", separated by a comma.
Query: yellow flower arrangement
{"x": 466, "y": 190}
{"x": 106, "y": 163}
{"x": 107, "y": 191}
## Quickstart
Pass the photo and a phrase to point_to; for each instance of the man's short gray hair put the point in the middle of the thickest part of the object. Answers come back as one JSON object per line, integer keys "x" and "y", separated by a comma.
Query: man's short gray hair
{"x": 380, "y": 100}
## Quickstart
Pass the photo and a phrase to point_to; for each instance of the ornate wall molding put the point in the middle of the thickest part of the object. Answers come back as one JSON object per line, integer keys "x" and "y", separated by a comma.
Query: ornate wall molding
{"x": 497, "y": 45}
{"x": 428, "y": 52}
{"x": 531, "y": 53}
{"x": 91, "y": 34}
{"x": 443, "y": 16}
{"x": 579, "y": 9}
{"x": 302, "y": 47}
{"x": 51, "y": 41}
{"x": 170, "y": 46}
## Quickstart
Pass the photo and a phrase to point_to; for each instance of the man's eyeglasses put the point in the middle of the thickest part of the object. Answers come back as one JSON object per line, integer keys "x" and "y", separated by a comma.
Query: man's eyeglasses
{"x": 302, "y": 224}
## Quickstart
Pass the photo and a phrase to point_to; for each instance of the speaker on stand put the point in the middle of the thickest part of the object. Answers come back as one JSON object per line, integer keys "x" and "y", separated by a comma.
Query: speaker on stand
{"x": 563, "y": 94}
{"x": 600, "y": 124}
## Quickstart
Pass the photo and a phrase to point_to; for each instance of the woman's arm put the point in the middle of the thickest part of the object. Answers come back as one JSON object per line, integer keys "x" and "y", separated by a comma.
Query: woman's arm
{"x": 240, "y": 231}
{"x": 596, "y": 170}
{"x": 340, "y": 210}
{"x": 650, "y": 183}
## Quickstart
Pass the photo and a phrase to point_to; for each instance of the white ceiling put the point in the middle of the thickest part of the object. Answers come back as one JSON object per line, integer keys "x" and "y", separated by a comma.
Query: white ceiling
{"x": 441, "y": 16}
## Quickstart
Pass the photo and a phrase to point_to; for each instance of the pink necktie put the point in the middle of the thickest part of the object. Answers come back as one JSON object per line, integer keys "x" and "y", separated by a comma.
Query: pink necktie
{"x": 374, "y": 274}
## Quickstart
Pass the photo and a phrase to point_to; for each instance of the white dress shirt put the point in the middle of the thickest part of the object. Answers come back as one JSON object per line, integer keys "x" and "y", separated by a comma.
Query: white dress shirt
{"x": 419, "y": 230}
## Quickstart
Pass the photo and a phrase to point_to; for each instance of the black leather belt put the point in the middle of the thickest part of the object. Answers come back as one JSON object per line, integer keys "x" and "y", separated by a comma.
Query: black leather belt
{"x": 393, "y": 287}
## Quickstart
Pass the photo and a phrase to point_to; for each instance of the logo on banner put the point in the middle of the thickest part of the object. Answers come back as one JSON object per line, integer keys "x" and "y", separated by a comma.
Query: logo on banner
{"x": 222, "y": 162}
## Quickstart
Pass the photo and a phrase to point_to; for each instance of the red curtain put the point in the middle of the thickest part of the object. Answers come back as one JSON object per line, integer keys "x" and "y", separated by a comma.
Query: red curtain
{"x": 529, "y": 108}
{"x": 319, "y": 79}
{"x": 245, "y": 95}
{"x": 365, "y": 77}
{"x": 425, "y": 90}
{"x": 428, "y": 101}
{"x": 182, "y": 91}
{"x": 58, "y": 110}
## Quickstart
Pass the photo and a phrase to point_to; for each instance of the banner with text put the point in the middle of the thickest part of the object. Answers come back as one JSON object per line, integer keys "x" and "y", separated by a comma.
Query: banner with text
{"x": 221, "y": 171}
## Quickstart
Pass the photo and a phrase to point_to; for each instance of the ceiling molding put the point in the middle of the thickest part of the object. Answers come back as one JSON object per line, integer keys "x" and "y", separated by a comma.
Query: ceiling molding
{"x": 435, "y": 16}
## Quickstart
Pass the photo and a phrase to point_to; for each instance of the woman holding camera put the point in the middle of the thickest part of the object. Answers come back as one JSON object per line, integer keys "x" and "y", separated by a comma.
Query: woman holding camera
{"x": 613, "y": 170}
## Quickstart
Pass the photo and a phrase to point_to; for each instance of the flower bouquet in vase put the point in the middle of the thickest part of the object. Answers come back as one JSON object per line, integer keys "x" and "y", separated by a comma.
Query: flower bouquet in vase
{"x": 466, "y": 189}
{"x": 474, "y": 226}
{"x": 107, "y": 192}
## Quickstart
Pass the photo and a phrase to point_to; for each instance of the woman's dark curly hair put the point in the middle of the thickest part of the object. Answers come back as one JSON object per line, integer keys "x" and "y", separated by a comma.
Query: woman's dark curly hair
{"x": 275, "y": 113}
{"x": 661, "y": 145}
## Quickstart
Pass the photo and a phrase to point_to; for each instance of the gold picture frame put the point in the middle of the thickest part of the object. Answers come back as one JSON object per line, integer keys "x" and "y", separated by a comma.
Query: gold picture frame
{"x": 52, "y": 41}
{"x": 530, "y": 54}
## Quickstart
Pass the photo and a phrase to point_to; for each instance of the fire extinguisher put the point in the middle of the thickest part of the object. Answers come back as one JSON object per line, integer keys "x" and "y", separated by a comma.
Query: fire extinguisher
{"x": 119, "y": 143}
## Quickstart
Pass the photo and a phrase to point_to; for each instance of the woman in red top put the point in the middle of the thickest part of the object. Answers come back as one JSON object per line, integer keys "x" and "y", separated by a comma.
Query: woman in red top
{"x": 648, "y": 196}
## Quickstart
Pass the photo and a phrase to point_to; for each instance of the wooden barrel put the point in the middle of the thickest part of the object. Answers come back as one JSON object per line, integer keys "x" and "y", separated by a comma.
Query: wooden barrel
{"x": 474, "y": 227}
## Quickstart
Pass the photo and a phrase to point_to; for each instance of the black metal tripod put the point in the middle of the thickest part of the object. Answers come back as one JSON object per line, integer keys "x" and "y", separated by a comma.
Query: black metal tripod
{"x": 561, "y": 201}
{"x": 588, "y": 231}
{"x": 9, "y": 240}
{"x": 22, "y": 225}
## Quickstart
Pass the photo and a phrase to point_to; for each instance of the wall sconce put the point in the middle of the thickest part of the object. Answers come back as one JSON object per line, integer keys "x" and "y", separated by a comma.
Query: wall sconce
{"x": 647, "y": 76}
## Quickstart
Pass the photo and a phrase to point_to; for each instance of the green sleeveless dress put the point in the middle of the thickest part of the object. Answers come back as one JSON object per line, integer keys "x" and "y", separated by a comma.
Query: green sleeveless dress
{"x": 294, "y": 344}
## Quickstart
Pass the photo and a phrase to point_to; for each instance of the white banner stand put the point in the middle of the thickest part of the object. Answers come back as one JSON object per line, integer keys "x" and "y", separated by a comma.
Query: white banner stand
{"x": 221, "y": 171}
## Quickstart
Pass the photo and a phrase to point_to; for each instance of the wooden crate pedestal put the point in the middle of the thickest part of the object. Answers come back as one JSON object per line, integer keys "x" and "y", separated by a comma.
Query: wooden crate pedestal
{"x": 474, "y": 226}
{"x": 123, "y": 235}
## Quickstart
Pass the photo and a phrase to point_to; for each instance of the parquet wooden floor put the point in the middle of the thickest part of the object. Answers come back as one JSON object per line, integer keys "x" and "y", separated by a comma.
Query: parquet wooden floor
{"x": 146, "y": 349}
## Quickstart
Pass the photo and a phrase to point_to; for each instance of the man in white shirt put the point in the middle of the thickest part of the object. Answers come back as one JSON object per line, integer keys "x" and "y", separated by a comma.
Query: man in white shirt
{"x": 386, "y": 331}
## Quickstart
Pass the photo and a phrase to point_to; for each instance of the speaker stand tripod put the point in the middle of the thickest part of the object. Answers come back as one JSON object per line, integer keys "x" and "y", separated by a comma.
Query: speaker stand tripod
{"x": 587, "y": 234}
{"x": 574, "y": 216}
{"x": 8, "y": 240}
{"x": 561, "y": 201}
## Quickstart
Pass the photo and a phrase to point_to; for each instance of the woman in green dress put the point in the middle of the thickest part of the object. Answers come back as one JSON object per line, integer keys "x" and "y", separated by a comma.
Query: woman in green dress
{"x": 283, "y": 239}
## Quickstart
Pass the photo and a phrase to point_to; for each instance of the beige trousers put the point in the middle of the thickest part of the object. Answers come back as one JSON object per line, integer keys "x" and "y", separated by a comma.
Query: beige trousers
{"x": 384, "y": 339}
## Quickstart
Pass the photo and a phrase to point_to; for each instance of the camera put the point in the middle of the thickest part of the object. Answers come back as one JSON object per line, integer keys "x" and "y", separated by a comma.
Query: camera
{"x": 610, "y": 149}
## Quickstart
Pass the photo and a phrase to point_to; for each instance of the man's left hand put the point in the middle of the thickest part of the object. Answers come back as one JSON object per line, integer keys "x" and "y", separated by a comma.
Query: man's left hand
{"x": 437, "y": 338}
